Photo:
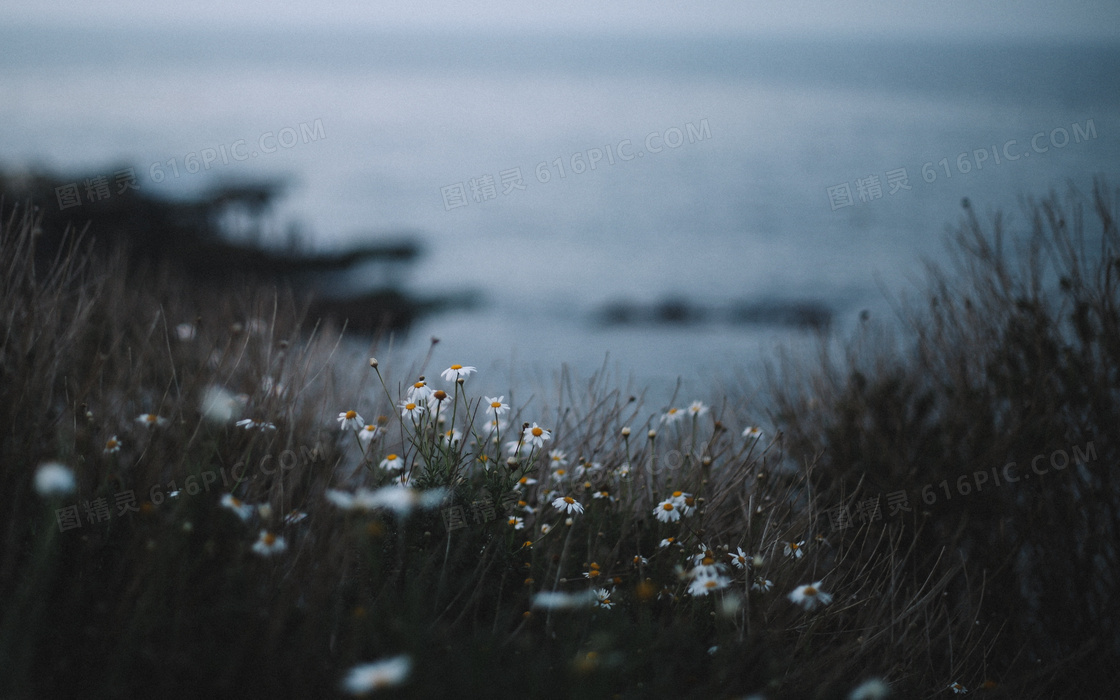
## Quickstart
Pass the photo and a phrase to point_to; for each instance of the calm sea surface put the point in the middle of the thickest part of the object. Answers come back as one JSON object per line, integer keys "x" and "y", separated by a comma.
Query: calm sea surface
{"x": 719, "y": 175}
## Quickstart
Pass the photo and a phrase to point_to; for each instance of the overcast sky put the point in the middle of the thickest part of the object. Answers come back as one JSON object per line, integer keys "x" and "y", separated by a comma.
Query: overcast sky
{"x": 974, "y": 19}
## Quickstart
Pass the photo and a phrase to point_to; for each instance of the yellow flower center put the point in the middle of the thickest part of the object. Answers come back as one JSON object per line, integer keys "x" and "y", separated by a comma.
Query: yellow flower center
{"x": 269, "y": 539}
{"x": 456, "y": 367}
{"x": 677, "y": 494}
{"x": 419, "y": 385}
{"x": 410, "y": 407}
{"x": 111, "y": 444}
{"x": 810, "y": 591}
{"x": 523, "y": 480}
{"x": 391, "y": 458}
{"x": 561, "y": 472}
{"x": 236, "y": 503}
{"x": 351, "y": 415}
{"x": 794, "y": 546}
{"x": 689, "y": 501}
{"x": 667, "y": 506}
{"x": 495, "y": 404}
{"x": 710, "y": 584}
{"x": 370, "y": 428}
{"x": 537, "y": 432}
{"x": 440, "y": 395}
{"x": 707, "y": 561}
{"x": 569, "y": 500}
{"x": 513, "y": 521}
{"x": 150, "y": 418}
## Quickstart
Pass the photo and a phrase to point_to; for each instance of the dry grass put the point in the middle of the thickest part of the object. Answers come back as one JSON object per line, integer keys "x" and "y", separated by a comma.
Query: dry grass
{"x": 1010, "y": 585}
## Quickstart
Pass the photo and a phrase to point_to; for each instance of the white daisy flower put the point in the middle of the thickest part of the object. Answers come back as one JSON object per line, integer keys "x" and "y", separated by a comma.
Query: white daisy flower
{"x": 419, "y": 392}
{"x": 496, "y": 407}
{"x": 567, "y": 504}
{"x": 495, "y": 425}
{"x": 958, "y": 689}
{"x": 250, "y": 424}
{"x": 559, "y": 474}
{"x": 369, "y": 433}
{"x": 871, "y": 689}
{"x": 411, "y": 409}
{"x": 603, "y": 598}
{"x": 545, "y": 529}
{"x": 241, "y": 509}
{"x": 151, "y": 420}
{"x": 762, "y": 585}
{"x": 451, "y": 438}
{"x": 667, "y": 542}
{"x": 456, "y": 371}
{"x": 703, "y": 585}
{"x": 602, "y": 494}
{"x": 697, "y": 409}
{"x": 557, "y": 458}
{"x": 524, "y": 482}
{"x": 752, "y": 432}
{"x": 666, "y": 512}
{"x": 558, "y": 600}
{"x": 536, "y": 435}
{"x": 399, "y": 499}
{"x": 387, "y": 673}
{"x": 268, "y": 544}
{"x": 623, "y": 471}
{"x": 738, "y": 558}
{"x": 435, "y": 403}
{"x": 184, "y": 331}
{"x": 794, "y": 549}
{"x": 350, "y": 420}
{"x": 517, "y": 523}
{"x": 810, "y": 595}
{"x": 296, "y": 516}
{"x": 54, "y": 479}
{"x": 218, "y": 405}
{"x": 672, "y": 415}
{"x": 341, "y": 499}
{"x": 112, "y": 445}
{"x": 684, "y": 502}
{"x": 709, "y": 569}
{"x": 392, "y": 462}
{"x": 518, "y": 448}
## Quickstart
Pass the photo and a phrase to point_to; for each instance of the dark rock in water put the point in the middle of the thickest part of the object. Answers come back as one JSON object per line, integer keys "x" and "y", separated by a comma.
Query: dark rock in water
{"x": 677, "y": 311}
{"x": 117, "y": 213}
{"x": 800, "y": 314}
